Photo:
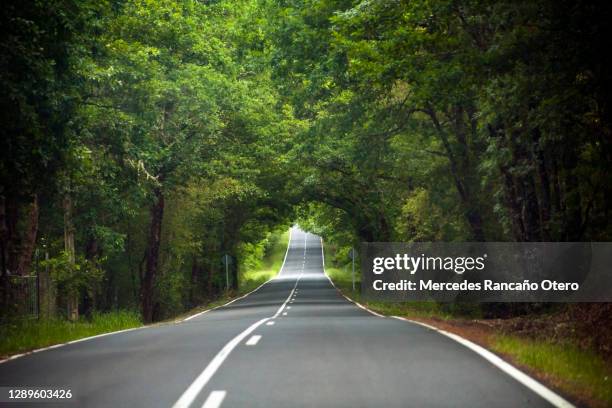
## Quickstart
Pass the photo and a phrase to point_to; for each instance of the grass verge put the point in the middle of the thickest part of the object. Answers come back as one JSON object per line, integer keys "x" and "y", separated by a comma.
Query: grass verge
{"x": 575, "y": 371}
{"x": 582, "y": 375}
{"x": 271, "y": 264}
{"x": 26, "y": 335}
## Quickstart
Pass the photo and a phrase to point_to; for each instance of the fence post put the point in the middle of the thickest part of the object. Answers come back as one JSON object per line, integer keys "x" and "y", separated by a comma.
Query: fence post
{"x": 47, "y": 293}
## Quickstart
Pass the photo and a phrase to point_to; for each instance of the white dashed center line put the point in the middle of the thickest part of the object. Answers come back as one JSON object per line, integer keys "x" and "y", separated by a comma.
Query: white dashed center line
{"x": 270, "y": 324}
{"x": 215, "y": 399}
{"x": 253, "y": 340}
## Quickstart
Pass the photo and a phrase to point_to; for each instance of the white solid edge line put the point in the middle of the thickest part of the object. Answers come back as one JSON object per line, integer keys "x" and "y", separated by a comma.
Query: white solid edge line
{"x": 359, "y": 305}
{"x": 101, "y": 335}
{"x": 215, "y": 399}
{"x": 246, "y": 294}
{"x": 535, "y": 386}
{"x": 54, "y": 346}
{"x": 286, "y": 253}
{"x": 529, "y": 382}
{"x": 253, "y": 340}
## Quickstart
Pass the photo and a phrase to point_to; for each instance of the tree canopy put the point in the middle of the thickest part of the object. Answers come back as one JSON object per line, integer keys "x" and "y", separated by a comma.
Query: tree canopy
{"x": 142, "y": 140}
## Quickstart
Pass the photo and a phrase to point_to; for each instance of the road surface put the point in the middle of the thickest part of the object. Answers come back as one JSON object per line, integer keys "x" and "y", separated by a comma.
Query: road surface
{"x": 294, "y": 342}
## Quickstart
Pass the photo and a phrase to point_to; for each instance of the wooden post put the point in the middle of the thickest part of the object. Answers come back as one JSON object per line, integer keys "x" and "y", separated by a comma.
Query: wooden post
{"x": 73, "y": 299}
{"x": 46, "y": 293}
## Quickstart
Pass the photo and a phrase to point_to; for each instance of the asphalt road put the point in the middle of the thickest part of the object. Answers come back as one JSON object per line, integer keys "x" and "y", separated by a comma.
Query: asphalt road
{"x": 295, "y": 342}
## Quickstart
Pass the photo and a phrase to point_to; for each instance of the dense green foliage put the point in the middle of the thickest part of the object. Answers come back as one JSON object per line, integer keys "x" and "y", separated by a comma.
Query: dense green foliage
{"x": 142, "y": 140}
{"x": 452, "y": 120}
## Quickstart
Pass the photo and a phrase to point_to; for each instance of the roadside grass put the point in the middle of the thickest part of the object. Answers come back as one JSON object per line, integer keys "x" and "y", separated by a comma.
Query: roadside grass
{"x": 25, "y": 335}
{"x": 566, "y": 365}
{"x": 271, "y": 264}
{"x": 582, "y": 374}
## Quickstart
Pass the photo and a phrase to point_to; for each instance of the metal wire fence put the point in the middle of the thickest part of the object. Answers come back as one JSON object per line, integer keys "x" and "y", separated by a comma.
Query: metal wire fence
{"x": 21, "y": 297}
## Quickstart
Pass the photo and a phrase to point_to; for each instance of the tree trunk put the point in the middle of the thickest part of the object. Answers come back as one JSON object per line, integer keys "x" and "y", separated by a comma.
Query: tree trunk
{"x": 522, "y": 161}
{"x": 11, "y": 233}
{"x": 458, "y": 167}
{"x": 544, "y": 178}
{"x": 573, "y": 227}
{"x": 234, "y": 274}
{"x": 29, "y": 241}
{"x": 92, "y": 254}
{"x": 193, "y": 288}
{"x": 531, "y": 210}
{"x": 73, "y": 300}
{"x": 152, "y": 256}
{"x": 512, "y": 204}
{"x": 129, "y": 252}
{"x": 4, "y": 253}
{"x": 209, "y": 282}
{"x": 15, "y": 251}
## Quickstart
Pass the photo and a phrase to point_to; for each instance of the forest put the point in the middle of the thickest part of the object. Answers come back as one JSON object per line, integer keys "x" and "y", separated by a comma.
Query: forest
{"x": 142, "y": 140}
